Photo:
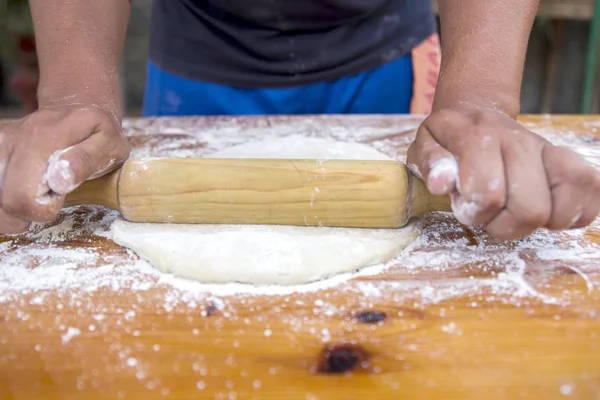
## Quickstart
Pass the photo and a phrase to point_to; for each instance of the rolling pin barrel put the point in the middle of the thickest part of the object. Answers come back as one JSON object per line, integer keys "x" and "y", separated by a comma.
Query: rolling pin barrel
{"x": 335, "y": 193}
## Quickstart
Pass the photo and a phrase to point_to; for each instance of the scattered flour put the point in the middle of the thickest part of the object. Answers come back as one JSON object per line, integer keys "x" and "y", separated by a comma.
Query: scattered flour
{"x": 61, "y": 265}
{"x": 70, "y": 334}
{"x": 444, "y": 167}
{"x": 90, "y": 286}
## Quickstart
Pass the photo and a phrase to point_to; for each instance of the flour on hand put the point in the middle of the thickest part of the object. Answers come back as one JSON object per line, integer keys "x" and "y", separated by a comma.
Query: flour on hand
{"x": 267, "y": 254}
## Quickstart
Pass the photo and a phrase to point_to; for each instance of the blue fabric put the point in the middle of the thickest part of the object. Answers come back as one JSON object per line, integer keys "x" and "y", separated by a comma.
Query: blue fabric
{"x": 384, "y": 90}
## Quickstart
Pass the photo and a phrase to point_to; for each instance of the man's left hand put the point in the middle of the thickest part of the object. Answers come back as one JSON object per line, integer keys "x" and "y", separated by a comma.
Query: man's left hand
{"x": 503, "y": 176}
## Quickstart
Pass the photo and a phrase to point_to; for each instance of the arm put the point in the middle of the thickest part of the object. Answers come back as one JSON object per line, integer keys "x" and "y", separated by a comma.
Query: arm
{"x": 75, "y": 134}
{"x": 497, "y": 173}
{"x": 483, "y": 52}
{"x": 79, "y": 44}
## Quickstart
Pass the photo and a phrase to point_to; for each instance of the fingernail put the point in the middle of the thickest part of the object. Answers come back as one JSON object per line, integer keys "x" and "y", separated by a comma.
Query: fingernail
{"x": 443, "y": 166}
{"x": 59, "y": 175}
{"x": 443, "y": 175}
{"x": 575, "y": 218}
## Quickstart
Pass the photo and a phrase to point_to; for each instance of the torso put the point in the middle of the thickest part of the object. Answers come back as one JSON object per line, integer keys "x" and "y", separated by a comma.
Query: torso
{"x": 282, "y": 43}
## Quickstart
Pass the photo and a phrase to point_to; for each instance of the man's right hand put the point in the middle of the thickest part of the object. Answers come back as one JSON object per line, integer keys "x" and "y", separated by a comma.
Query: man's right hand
{"x": 47, "y": 154}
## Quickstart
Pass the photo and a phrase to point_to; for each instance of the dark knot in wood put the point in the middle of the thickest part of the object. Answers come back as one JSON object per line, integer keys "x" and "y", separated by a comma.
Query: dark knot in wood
{"x": 371, "y": 317}
{"x": 341, "y": 359}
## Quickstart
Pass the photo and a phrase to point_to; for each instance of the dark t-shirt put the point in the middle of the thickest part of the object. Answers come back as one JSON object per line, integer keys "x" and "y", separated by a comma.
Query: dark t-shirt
{"x": 283, "y": 43}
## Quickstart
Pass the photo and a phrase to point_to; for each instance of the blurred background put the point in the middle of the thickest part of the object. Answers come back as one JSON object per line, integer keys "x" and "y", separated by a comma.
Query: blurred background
{"x": 560, "y": 75}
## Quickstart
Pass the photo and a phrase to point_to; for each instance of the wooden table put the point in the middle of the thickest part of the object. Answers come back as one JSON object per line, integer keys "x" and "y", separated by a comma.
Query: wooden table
{"x": 458, "y": 316}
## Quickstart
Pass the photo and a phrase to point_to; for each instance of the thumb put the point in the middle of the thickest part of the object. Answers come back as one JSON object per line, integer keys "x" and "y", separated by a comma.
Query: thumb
{"x": 437, "y": 166}
{"x": 93, "y": 157}
{"x": 59, "y": 176}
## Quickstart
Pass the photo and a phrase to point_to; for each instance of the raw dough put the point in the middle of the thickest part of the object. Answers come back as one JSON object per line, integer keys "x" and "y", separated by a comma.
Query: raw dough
{"x": 261, "y": 254}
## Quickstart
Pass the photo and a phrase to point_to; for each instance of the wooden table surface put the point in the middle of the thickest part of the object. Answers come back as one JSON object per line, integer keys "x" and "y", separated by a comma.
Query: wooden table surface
{"x": 458, "y": 315}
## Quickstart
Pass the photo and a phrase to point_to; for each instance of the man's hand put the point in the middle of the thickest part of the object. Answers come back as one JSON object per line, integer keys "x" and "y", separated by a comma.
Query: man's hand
{"x": 503, "y": 176}
{"x": 47, "y": 154}
{"x": 498, "y": 173}
{"x": 76, "y": 133}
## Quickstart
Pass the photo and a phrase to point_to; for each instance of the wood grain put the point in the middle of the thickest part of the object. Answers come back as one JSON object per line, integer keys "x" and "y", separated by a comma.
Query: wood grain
{"x": 333, "y": 193}
{"x": 495, "y": 321}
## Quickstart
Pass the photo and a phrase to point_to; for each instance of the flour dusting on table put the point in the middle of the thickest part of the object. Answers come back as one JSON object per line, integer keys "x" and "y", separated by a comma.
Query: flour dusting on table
{"x": 62, "y": 265}
{"x": 69, "y": 281}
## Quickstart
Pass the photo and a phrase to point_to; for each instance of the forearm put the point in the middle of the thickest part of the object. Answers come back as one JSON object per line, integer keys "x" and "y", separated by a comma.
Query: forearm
{"x": 79, "y": 44}
{"x": 484, "y": 44}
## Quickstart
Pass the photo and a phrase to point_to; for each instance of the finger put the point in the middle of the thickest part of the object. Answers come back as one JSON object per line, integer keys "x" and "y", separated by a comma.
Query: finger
{"x": 481, "y": 184}
{"x": 27, "y": 198}
{"x": 12, "y": 225}
{"x": 8, "y": 223}
{"x": 436, "y": 165}
{"x": 481, "y": 189}
{"x": 573, "y": 183}
{"x": 591, "y": 210}
{"x": 529, "y": 203}
{"x": 97, "y": 155}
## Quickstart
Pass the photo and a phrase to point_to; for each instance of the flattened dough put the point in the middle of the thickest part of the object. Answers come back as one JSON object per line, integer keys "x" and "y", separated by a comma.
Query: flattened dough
{"x": 261, "y": 254}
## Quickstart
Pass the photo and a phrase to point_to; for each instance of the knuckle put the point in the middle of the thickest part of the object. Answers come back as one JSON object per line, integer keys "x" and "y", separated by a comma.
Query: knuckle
{"x": 96, "y": 115}
{"x": 22, "y": 206}
{"x": 509, "y": 227}
{"x": 535, "y": 216}
{"x": 567, "y": 166}
{"x": 17, "y": 204}
{"x": 492, "y": 202}
{"x": 476, "y": 130}
{"x": 578, "y": 175}
{"x": 478, "y": 135}
{"x": 91, "y": 118}
{"x": 444, "y": 114}
{"x": 503, "y": 228}
{"x": 38, "y": 131}
{"x": 528, "y": 212}
{"x": 80, "y": 158}
{"x": 119, "y": 151}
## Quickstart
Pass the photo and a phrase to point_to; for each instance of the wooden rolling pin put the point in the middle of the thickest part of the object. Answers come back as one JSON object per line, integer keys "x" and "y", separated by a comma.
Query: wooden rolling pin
{"x": 337, "y": 193}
